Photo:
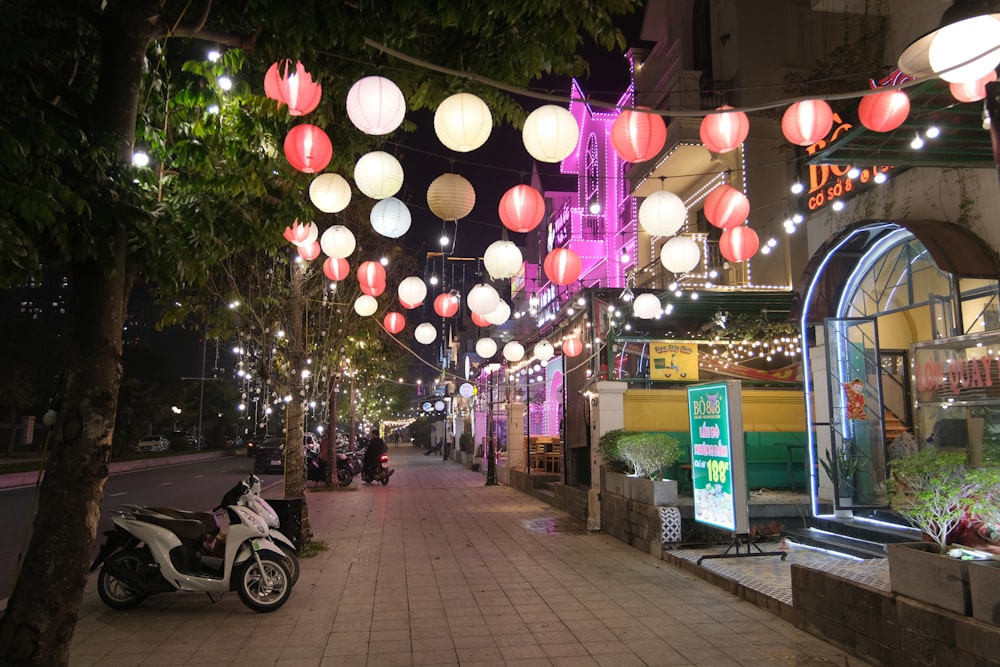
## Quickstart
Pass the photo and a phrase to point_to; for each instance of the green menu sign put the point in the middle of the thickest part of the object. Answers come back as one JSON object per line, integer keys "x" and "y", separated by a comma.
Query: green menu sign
{"x": 718, "y": 460}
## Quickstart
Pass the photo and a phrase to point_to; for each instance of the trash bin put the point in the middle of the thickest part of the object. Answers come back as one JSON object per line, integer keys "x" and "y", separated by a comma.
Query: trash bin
{"x": 289, "y": 511}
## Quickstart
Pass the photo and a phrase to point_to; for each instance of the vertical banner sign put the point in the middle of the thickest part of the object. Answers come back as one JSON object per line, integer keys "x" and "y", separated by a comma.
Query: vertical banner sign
{"x": 718, "y": 458}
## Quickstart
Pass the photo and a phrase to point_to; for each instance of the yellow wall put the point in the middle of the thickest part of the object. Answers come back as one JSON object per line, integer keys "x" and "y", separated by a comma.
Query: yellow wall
{"x": 763, "y": 410}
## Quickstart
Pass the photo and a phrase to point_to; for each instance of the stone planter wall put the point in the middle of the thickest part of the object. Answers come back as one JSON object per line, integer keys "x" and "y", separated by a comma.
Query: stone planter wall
{"x": 917, "y": 570}
{"x": 984, "y": 582}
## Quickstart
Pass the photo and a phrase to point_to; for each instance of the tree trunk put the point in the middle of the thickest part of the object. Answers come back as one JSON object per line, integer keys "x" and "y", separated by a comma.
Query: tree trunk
{"x": 295, "y": 479}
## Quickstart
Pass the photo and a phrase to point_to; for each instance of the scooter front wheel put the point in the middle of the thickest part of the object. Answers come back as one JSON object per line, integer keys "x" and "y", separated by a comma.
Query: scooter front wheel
{"x": 344, "y": 477}
{"x": 264, "y": 587}
{"x": 115, "y": 592}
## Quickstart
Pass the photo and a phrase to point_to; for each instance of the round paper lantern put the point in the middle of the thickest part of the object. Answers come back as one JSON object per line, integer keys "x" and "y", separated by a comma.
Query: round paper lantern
{"x": 972, "y": 91}
{"x": 446, "y": 305}
{"x": 413, "y": 291}
{"x": 330, "y": 193}
{"x": 310, "y": 251}
{"x": 502, "y": 259}
{"x": 572, "y": 347}
{"x": 301, "y": 234}
{"x": 563, "y": 266}
{"x": 724, "y": 132}
{"x": 308, "y": 149}
{"x": 521, "y": 208}
{"x": 513, "y": 351}
{"x": 806, "y": 122}
{"x": 885, "y": 111}
{"x": 550, "y": 133}
{"x": 680, "y": 254}
{"x": 463, "y": 122}
{"x": 378, "y": 174}
{"x": 365, "y": 305}
{"x": 480, "y": 320}
{"x": 425, "y": 333}
{"x": 543, "y": 350}
{"x": 638, "y": 136}
{"x": 726, "y": 207}
{"x": 500, "y": 315}
{"x": 338, "y": 242}
{"x": 375, "y": 105}
{"x": 646, "y": 306}
{"x": 336, "y": 269}
{"x": 390, "y": 217}
{"x": 483, "y": 299}
{"x": 393, "y": 322}
{"x": 486, "y": 347}
{"x": 738, "y": 244}
{"x": 662, "y": 213}
{"x": 375, "y": 290}
{"x": 451, "y": 197}
{"x": 294, "y": 88}
{"x": 371, "y": 275}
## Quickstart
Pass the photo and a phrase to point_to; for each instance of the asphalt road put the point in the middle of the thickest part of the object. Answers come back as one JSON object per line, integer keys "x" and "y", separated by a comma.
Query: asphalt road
{"x": 192, "y": 486}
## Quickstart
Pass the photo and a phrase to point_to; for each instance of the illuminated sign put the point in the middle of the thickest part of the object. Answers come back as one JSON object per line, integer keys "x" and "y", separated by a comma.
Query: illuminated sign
{"x": 830, "y": 182}
{"x": 673, "y": 361}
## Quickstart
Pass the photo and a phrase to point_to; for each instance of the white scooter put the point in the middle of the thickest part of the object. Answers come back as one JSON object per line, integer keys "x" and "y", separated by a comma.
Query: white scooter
{"x": 151, "y": 552}
{"x": 253, "y": 501}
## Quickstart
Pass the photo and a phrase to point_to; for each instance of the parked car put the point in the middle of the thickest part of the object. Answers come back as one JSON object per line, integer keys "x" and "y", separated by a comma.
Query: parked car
{"x": 152, "y": 443}
{"x": 181, "y": 440}
{"x": 269, "y": 456}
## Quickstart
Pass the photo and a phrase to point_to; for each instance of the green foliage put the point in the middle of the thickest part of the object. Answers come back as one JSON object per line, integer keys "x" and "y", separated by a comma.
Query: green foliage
{"x": 646, "y": 453}
{"x": 609, "y": 447}
{"x": 842, "y": 469}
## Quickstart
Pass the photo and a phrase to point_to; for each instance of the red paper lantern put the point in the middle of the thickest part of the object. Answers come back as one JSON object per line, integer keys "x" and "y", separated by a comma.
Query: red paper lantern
{"x": 804, "y": 123}
{"x": 301, "y": 234}
{"x": 563, "y": 266}
{"x": 294, "y": 88}
{"x": 371, "y": 274}
{"x": 310, "y": 251}
{"x": 572, "y": 347}
{"x": 373, "y": 290}
{"x": 724, "y": 132}
{"x": 972, "y": 91}
{"x": 393, "y": 322}
{"x": 638, "y": 136}
{"x": 446, "y": 305}
{"x": 739, "y": 243}
{"x": 726, "y": 207}
{"x": 336, "y": 269}
{"x": 885, "y": 111}
{"x": 522, "y": 208}
{"x": 308, "y": 149}
{"x": 480, "y": 320}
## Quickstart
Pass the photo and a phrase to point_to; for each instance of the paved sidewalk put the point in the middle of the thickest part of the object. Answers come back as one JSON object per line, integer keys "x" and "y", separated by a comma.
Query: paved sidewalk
{"x": 438, "y": 569}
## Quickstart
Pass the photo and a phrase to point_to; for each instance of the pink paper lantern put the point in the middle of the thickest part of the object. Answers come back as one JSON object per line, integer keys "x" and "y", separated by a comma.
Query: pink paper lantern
{"x": 972, "y": 91}
{"x": 373, "y": 290}
{"x": 394, "y": 322}
{"x": 572, "y": 347}
{"x": 409, "y": 306}
{"x": 885, "y": 111}
{"x": 336, "y": 269}
{"x": 726, "y": 207}
{"x": 310, "y": 251}
{"x": 522, "y": 208}
{"x": 724, "y": 132}
{"x": 804, "y": 123}
{"x": 480, "y": 320}
{"x": 294, "y": 88}
{"x": 371, "y": 274}
{"x": 739, "y": 243}
{"x": 301, "y": 234}
{"x": 563, "y": 266}
{"x": 446, "y": 305}
{"x": 308, "y": 149}
{"x": 638, "y": 136}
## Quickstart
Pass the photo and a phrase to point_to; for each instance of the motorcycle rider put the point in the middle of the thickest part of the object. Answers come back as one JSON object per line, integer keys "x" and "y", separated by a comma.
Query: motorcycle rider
{"x": 376, "y": 448}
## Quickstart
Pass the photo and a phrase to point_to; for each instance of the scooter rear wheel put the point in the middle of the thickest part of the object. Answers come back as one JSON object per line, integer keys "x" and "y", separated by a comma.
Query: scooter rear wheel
{"x": 266, "y": 587}
{"x": 344, "y": 477}
{"x": 113, "y": 591}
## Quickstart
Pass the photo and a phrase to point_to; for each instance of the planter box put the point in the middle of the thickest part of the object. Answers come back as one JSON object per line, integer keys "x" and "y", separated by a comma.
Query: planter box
{"x": 984, "y": 581}
{"x": 650, "y": 492}
{"x": 918, "y": 571}
{"x": 613, "y": 482}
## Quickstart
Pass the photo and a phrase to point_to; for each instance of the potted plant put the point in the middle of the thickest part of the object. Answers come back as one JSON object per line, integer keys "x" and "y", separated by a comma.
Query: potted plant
{"x": 615, "y": 467}
{"x": 648, "y": 454}
{"x": 984, "y": 575}
{"x": 841, "y": 469}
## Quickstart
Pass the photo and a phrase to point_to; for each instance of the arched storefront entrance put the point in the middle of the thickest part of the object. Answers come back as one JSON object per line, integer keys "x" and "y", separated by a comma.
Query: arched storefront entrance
{"x": 870, "y": 298}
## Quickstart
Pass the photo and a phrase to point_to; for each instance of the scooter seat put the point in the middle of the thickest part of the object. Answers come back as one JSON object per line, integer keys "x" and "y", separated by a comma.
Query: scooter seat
{"x": 207, "y": 519}
{"x": 186, "y": 529}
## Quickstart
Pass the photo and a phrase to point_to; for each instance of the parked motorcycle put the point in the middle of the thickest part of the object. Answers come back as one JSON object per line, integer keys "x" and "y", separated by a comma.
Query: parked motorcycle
{"x": 151, "y": 552}
{"x": 348, "y": 466}
{"x": 252, "y": 500}
{"x": 380, "y": 472}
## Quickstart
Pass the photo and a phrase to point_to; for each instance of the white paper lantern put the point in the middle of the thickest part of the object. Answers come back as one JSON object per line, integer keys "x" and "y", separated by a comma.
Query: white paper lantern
{"x": 375, "y": 105}
{"x": 337, "y": 242}
{"x": 451, "y": 197}
{"x": 365, "y": 305}
{"x": 486, "y": 347}
{"x": 513, "y": 351}
{"x": 680, "y": 254}
{"x": 483, "y": 299}
{"x": 412, "y": 290}
{"x": 425, "y": 333}
{"x": 378, "y": 174}
{"x": 463, "y": 122}
{"x": 500, "y": 315}
{"x": 662, "y": 213}
{"x": 543, "y": 350}
{"x": 646, "y": 306}
{"x": 390, "y": 217}
{"x": 550, "y": 133}
{"x": 502, "y": 259}
{"x": 330, "y": 193}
